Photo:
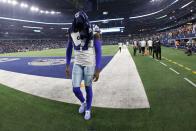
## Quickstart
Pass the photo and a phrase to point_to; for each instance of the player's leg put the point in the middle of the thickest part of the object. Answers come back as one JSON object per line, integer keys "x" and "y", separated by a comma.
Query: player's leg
{"x": 150, "y": 50}
{"x": 160, "y": 54}
{"x": 157, "y": 54}
{"x": 135, "y": 51}
{"x": 143, "y": 50}
{"x": 77, "y": 76}
{"x": 88, "y": 77}
{"x": 153, "y": 53}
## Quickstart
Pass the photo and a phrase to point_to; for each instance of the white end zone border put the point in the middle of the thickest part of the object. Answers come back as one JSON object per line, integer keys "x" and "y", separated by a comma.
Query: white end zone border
{"x": 3, "y": 60}
{"x": 119, "y": 86}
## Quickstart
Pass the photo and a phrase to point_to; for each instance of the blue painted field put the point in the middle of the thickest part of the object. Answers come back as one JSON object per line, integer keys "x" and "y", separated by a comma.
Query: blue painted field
{"x": 41, "y": 66}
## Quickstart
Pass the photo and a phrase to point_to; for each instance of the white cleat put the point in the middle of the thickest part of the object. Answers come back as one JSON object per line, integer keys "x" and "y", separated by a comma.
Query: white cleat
{"x": 82, "y": 108}
{"x": 87, "y": 115}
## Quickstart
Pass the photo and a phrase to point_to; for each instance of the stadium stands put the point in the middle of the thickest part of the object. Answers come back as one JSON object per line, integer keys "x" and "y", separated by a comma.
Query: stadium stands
{"x": 9, "y": 46}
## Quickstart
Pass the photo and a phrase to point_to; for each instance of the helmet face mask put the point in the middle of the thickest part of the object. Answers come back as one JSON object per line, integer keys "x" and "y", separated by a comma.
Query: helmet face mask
{"x": 79, "y": 25}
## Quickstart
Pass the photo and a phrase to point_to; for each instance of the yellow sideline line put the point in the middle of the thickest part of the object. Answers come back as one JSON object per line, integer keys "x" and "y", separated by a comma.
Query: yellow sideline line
{"x": 186, "y": 79}
{"x": 180, "y": 65}
{"x": 187, "y": 68}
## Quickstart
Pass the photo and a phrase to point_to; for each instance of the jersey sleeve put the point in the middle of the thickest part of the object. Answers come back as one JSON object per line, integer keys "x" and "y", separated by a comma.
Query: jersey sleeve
{"x": 96, "y": 29}
{"x": 69, "y": 50}
{"x": 98, "y": 53}
{"x": 97, "y": 45}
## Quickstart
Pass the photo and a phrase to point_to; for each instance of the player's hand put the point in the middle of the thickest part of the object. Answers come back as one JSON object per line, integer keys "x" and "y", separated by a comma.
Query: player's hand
{"x": 96, "y": 76}
{"x": 67, "y": 71}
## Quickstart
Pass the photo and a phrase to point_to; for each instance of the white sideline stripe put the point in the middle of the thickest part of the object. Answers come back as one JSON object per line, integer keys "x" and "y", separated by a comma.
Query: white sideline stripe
{"x": 189, "y": 81}
{"x": 156, "y": 60}
{"x": 119, "y": 86}
{"x": 163, "y": 63}
{"x": 174, "y": 71}
{"x": 120, "y": 81}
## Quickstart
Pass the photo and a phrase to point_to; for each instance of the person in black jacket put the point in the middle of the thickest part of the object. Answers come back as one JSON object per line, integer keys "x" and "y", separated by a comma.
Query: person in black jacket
{"x": 154, "y": 49}
{"x": 158, "y": 53}
{"x": 157, "y": 49}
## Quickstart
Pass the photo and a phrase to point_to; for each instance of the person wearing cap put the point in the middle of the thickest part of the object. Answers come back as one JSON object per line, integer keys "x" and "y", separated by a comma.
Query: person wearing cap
{"x": 87, "y": 59}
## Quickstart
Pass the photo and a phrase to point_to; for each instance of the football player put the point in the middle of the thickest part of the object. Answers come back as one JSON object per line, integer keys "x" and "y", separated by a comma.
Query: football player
{"x": 87, "y": 55}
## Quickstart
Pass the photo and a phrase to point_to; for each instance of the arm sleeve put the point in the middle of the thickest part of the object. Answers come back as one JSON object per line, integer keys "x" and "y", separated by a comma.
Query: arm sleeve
{"x": 69, "y": 51}
{"x": 98, "y": 53}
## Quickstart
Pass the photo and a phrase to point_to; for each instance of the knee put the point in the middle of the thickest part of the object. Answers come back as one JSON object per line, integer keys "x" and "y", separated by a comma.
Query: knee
{"x": 88, "y": 83}
{"x": 88, "y": 80}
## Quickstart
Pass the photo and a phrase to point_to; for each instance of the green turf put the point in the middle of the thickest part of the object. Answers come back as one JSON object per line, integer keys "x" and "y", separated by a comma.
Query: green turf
{"x": 107, "y": 50}
{"x": 181, "y": 58}
{"x": 44, "y": 53}
{"x": 172, "y": 101}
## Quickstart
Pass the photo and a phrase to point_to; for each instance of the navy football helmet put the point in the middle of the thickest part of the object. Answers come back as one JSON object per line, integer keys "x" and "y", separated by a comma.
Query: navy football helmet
{"x": 80, "y": 22}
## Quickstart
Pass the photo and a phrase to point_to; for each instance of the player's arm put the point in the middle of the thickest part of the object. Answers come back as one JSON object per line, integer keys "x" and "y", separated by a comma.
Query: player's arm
{"x": 98, "y": 55}
{"x": 68, "y": 56}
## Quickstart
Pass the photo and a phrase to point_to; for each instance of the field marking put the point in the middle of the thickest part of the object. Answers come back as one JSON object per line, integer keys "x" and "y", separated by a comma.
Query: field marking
{"x": 163, "y": 63}
{"x": 174, "y": 71}
{"x": 3, "y": 60}
{"x": 174, "y": 62}
{"x": 157, "y": 60}
{"x": 131, "y": 96}
{"x": 187, "y": 68}
{"x": 189, "y": 81}
{"x": 180, "y": 65}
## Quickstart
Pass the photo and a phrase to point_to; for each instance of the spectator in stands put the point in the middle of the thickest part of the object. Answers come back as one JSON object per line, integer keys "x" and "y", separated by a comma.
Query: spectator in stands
{"x": 9, "y": 46}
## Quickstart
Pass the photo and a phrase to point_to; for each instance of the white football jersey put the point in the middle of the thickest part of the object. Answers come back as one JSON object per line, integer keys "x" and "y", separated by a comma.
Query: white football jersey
{"x": 83, "y": 57}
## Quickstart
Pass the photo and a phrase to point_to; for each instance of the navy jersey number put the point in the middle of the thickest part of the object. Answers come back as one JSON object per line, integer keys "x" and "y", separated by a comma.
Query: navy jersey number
{"x": 79, "y": 44}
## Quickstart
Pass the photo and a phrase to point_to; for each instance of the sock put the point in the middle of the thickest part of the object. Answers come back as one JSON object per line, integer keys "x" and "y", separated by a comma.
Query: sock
{"x": 89, "y": 97}
{"x": 78, "y": 94}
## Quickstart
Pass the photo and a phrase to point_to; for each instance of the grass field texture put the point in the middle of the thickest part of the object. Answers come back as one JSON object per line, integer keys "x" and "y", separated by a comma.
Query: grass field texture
{"x": 107, "y": 50}
{"x": 172, "y": 101}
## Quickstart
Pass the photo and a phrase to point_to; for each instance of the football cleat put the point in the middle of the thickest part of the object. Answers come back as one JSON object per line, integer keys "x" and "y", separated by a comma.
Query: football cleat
{"x": 82, "y": 108}
{"x": 87, "y": 115}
